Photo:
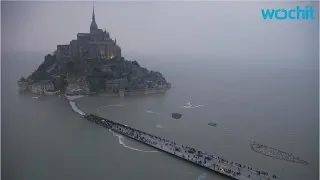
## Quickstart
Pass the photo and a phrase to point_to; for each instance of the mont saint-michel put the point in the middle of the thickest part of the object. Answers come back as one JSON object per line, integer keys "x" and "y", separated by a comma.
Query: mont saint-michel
{"x": 92, "y": 64}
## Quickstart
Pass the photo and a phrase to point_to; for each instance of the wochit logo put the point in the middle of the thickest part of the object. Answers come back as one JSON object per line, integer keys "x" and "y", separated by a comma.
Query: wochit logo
{"x": 298, "y": 13}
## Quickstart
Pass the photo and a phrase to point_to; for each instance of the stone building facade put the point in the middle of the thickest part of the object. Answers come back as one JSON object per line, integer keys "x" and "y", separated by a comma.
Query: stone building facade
{"x": 96, "y": 44}
{"x": 42, "y": 87}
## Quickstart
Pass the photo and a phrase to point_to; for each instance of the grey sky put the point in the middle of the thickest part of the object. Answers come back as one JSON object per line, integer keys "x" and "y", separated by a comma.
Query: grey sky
{"x": 229, "y": 29}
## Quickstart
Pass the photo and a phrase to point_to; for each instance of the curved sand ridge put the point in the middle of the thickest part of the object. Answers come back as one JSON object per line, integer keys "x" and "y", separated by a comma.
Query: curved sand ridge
{"x": 275, "y": 153}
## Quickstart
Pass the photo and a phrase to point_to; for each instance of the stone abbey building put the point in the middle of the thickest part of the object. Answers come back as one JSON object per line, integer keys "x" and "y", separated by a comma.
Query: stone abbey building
{"x": 96, "y": 44}
{"x": 92, "y": 64}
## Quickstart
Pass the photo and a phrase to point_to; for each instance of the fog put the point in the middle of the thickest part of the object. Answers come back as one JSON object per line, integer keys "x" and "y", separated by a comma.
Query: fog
{"x": 229, "y": 30}
{"x": 257, "y": 78}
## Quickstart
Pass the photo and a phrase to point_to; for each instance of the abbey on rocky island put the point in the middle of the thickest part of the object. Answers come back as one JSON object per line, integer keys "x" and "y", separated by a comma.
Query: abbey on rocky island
{"x": 95, "y": 44}
{"x": 92, "y": 64}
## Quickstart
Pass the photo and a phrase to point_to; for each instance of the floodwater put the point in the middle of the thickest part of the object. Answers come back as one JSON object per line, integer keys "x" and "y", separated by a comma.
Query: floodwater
{"x": 42, "y": 138}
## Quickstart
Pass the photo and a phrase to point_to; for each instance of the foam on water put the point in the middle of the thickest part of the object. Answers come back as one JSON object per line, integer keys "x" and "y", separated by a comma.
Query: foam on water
{"x": 151, "y": 112}
{"x": 76, "y": 109}
{"x": 159, "y": 126}
{"x": 188, "y": 105}
{"x": 35, "y": 97}
{"x": 120, "y": 137}
{"x": 202, "y": 176}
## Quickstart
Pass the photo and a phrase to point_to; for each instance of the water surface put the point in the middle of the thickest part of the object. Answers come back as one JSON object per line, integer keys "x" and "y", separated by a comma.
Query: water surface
{"x": 44, "y": 139}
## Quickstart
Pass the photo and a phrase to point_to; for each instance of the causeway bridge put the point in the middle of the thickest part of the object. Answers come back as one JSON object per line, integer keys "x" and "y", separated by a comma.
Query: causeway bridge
{"x": 210, "y": 162}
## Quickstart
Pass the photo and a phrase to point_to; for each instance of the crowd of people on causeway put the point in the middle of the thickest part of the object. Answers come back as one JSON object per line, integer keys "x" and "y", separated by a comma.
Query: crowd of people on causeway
{"x": 212, "y": 162}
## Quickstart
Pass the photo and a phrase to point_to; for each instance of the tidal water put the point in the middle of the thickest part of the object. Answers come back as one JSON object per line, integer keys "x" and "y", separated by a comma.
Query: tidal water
{"x": 275, "y": 105}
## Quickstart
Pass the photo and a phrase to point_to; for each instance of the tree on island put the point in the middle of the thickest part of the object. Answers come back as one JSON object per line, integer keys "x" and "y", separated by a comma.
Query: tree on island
{"x": 135, "y": 63}
{"x": 23, "y": 79}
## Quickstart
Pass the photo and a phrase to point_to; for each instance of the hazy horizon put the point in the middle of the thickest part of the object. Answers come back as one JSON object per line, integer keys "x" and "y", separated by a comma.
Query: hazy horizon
{"x": 231, "y": 33}
{"x": 199, "y": 27}
{"x": 257, "y": 79}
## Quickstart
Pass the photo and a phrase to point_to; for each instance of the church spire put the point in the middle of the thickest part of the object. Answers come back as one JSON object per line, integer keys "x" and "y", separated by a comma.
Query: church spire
{"x": 93, "y": 26}
{"x": 93, "y": 16}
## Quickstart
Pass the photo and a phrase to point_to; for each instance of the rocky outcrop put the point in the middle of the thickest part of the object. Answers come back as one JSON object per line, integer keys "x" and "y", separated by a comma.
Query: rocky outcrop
{"x": 176, "y": 115}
